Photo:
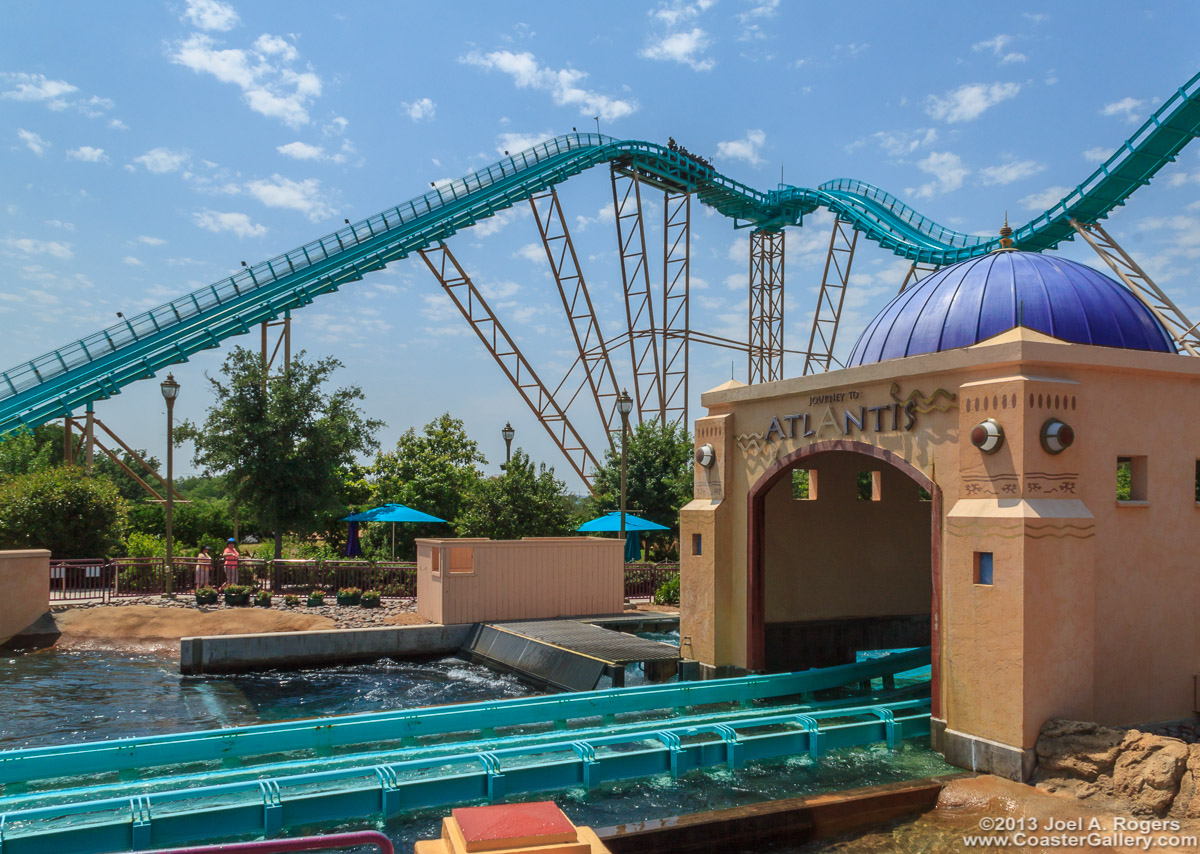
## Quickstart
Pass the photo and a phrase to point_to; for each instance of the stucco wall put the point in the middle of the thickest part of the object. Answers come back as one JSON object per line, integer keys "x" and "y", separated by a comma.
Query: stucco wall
{"x": 838, "y": 556}
{"x": 25, "y": 580}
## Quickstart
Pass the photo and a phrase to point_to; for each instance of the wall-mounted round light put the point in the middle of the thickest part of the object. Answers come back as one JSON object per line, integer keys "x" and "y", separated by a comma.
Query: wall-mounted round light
{"x": 705, "y": 455}
{"x": 987, "y": 436}
{"x": 1057, "y": 436}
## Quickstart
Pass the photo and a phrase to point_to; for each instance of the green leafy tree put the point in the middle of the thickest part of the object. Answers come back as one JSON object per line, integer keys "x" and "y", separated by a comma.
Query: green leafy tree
{"x": 286, "y": 444}
{"x": 63, "y": 509}
{"x": 525, "y": 501}
{"x": 658, "y": 477}
{"x": 23, "y": 451}
{"x": 435, "y": 471}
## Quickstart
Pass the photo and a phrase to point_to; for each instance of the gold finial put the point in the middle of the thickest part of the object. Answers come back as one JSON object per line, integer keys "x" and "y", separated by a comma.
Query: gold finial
{"x": 1006, "y": 241}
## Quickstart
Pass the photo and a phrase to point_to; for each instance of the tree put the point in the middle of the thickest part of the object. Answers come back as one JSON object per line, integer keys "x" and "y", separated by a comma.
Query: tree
{"x": 284, "y": 444}
{"x": 522, "y": 502}
{"x": 658, "y": 475}
{"x": 63, "y": 509}
{"x": 435, "y": 472}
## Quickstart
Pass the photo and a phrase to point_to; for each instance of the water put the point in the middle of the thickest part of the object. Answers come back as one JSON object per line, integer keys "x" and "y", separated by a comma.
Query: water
{"x": 57, "y": 696}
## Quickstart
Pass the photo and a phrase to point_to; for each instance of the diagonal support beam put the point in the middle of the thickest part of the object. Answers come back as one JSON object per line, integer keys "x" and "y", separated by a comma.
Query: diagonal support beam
{"x": 639, "y": 301}
{"x": 1142, "y": 286}
{"x": 677, "y": 243}
{"x": 765, "y": 352}
{"x": 470, "y": 302}
{"x": 842, "y": 241}
{"x": 916, "y": 273}
{"x": 573, "y": 289}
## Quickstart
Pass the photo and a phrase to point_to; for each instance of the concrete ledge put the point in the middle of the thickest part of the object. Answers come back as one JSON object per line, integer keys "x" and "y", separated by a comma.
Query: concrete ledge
{"x": 985, "y": 756}
{"x": 241, "y": 653}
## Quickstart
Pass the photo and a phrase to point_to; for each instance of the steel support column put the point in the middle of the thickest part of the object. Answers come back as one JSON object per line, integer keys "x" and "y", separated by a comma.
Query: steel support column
{"x": 842, "y": 241}
{"x": 916, "y": 273}
{"x": 470, "y": 302}
{"x": 639, "y": 301}
{"x": 677, "y": 244}
{"x": 589, "y": 341}
{"x": 1143, "y": 287}
{"x": 269, "y": 354}
{"x": 766, "y": 306}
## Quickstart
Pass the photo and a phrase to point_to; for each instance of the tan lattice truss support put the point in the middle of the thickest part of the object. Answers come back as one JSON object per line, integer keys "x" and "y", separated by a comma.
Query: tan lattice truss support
{"x": 677, "y": 237}
{"x": 540, "y": 399}
{"x": 765, "y": 352}
{"x": 835, "y": 279}
{"x": 917, "y": 272}
{"x": 572, "y": 288}
{"x": 1143, "y": 287}
{"x": 283, "y": 340}
{"x": 639, "y": 301}
{"x": 88, "y": 440}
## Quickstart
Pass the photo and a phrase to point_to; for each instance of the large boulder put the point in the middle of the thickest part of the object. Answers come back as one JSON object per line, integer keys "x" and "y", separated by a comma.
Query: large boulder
{"x": 1077, "y": 750}
{"x": 1148, "y": 771}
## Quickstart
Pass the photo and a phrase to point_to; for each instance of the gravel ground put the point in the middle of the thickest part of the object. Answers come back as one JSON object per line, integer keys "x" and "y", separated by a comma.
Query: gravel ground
{"x": 389, "y": 612}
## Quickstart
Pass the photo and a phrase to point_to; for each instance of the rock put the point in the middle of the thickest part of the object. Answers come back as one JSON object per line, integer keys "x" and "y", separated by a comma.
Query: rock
{"x": 1148, "y": 771}
{"x": 1077, "y": 749}
{"x": 1187, "y": 802}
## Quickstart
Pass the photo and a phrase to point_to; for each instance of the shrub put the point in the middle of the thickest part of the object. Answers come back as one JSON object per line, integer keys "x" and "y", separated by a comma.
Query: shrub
{"x": 263, "y": 598}
{"x": 236, "y": 594}
{"x": 349, "y": 596}
{"x": 668, "y": 592}
{"x": 291, "y": 600}
{"x": 206, "y": 596}
{"x": 139, "y": 544}
{"x": 316, "y": 598}
{"x": 63, "y": 509}
{"x": 370, "y": 599}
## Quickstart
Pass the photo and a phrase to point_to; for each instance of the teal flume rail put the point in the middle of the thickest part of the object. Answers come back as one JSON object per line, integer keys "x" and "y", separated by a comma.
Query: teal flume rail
{"x": 98, "y": 366}
{"x": 96, "y": 820}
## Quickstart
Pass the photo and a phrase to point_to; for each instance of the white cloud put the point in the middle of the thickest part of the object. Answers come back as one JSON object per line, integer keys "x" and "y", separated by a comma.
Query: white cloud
{"x": 493, "y": 224}
{"x": 117, "y": 124}
{"x": 1010, "y": 171}
{"x": 970, "y": 101}
{"x": 29, "y": 246}
{"x": 36, "y": 87}
{"x": 132, "y": 261}
{"x": 760, "y": 10}
{"x": 499, "y": 290}
{"x": 1097, "y": 154}
{"x": 1044, "y": 200}
{"x": 162, "y": 160}
{"x": 563, "y": 84}
{"x": 33, "y": 141}
{"x": 88, "y": 154}
{"x": 948, "y": 174}
{"x": 211, "y": 15}
{"x": 301, "y": 150}
{"x": 901, "y": 143}
{"x": 422, "y": 108}
{"x": 686, "y": 48}
{"x": 303, "y": 196}
{"x": 998, "y": 46}
{"x": 1128, "y": 108}
{"x": 1181, "y": 179}
{"x": 514, "y": 142}
{"x": 58, "y": 223}
{"x": 270, "y": 85}
{"x": 747, "y": 148}
{"x": 533, "y": 252}
{"x": 238, "y": 223}
{"x": 147, "y": 240}
{"x": 677, "y": 12}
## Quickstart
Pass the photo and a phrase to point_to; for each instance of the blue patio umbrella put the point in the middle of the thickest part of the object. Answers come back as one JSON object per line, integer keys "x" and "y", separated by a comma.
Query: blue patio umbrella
{"x": 634, "y": 527}
{"x": 391, "y": 513}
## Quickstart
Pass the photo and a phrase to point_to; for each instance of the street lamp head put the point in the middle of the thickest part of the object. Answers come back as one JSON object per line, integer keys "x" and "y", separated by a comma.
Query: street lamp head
{"x": 170, "y": 388}
{"x": 625, "y": 403}
{"x": 508, "y": 432}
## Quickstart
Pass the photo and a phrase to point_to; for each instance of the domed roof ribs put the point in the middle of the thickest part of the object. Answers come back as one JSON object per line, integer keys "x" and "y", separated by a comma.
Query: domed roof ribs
{"x": 1182, "y": 330}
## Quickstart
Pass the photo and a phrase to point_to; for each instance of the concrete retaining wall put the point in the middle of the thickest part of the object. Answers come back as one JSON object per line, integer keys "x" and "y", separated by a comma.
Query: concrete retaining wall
{"x": 25, "y": 580}
{"x": 239, "y": 653}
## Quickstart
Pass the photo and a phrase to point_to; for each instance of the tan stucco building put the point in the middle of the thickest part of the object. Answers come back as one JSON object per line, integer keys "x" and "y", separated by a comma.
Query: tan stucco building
{"x": 965, "y": 497}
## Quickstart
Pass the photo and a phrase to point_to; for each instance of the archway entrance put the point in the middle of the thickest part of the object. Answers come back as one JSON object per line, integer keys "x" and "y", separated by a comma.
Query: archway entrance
{"x": 843, "y": 556}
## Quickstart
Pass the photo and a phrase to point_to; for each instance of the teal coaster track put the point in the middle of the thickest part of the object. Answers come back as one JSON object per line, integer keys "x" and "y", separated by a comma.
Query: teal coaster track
{"x": 57, "y": 383}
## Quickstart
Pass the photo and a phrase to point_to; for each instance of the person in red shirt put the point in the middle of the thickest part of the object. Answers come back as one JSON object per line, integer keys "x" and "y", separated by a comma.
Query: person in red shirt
{"x": 230, "y": 557}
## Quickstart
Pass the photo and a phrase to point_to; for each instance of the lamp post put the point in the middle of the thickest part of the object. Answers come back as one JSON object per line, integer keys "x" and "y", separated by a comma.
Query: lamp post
{"x": 508, "y": 432}
{"x": 624, "y": 406}
{"x": 170, "y": 390}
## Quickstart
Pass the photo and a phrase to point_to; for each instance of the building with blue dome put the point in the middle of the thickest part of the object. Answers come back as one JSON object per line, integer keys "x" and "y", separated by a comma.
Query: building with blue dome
{"x": 1011, "y": 439}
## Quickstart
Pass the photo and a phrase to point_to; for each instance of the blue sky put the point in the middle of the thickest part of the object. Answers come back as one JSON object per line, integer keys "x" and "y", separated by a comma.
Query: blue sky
{"x": 147, "y": 149}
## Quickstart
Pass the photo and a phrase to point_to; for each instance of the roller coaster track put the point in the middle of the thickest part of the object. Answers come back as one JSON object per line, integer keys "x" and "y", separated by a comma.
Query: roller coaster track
{"x": 53, "y": 385}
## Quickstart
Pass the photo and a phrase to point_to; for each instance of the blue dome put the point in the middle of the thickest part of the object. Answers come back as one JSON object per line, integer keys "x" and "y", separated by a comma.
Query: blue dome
{"x": 973, "y": 300}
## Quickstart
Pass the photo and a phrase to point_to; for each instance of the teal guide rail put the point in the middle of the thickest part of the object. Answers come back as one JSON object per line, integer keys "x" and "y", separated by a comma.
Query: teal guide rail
{"x": 55, "y": 384}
